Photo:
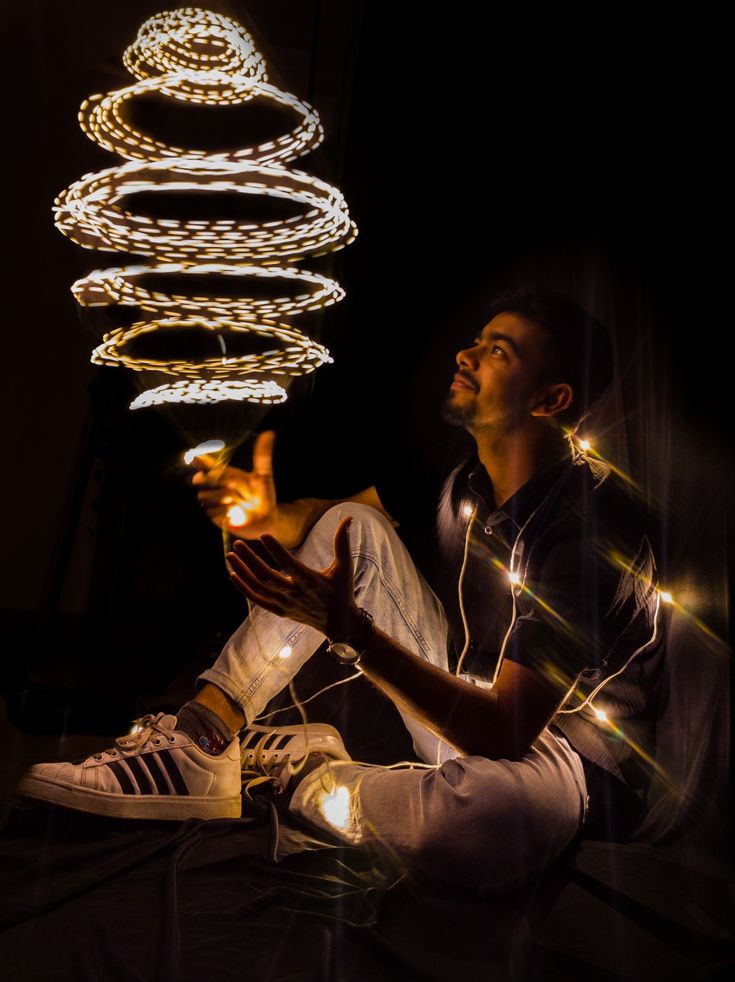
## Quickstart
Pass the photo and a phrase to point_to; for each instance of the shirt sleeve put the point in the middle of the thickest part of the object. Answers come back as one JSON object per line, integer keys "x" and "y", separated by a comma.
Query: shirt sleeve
{"x": 590, "y": 606}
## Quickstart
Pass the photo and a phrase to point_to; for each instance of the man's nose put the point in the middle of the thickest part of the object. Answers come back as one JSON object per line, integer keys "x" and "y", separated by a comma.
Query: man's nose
{"x": 465, "y": 356}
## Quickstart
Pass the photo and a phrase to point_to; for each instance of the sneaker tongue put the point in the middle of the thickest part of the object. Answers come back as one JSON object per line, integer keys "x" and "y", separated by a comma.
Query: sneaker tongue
{"x": 167, "y": 722}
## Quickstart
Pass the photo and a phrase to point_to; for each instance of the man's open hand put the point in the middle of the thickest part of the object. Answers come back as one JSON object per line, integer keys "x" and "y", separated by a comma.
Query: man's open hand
{"x": 324, "y": 599}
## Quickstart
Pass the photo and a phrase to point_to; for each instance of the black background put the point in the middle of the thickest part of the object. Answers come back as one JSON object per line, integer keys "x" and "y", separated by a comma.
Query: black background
{"x": 477, "y": 150}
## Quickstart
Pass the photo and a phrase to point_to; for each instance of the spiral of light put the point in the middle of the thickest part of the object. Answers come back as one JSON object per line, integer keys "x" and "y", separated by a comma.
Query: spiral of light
{"x": 198, "y": 56}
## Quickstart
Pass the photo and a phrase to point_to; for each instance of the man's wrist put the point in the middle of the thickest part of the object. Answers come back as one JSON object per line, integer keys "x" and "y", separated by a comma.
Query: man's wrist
{"x": 346, "y": 625}
{"x": 348, "y": 643}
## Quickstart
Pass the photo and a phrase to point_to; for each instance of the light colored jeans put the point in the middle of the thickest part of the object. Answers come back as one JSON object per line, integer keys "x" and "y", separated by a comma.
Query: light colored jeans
{"x": 487, "y": 824}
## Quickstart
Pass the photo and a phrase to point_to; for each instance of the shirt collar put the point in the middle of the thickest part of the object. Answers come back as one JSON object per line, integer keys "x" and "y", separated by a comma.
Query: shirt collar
{"x": 520, "y": 505}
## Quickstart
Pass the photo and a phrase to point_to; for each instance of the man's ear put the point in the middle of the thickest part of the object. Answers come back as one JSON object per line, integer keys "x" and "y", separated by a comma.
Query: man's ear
{"x": 557, "y": 399}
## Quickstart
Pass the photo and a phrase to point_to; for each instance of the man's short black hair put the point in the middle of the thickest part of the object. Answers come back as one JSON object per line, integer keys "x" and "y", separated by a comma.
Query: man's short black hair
{"x": 577, "y": 350}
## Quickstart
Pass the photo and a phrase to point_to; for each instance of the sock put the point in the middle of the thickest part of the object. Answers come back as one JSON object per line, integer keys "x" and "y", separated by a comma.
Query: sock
{"x": 208, "y": 730}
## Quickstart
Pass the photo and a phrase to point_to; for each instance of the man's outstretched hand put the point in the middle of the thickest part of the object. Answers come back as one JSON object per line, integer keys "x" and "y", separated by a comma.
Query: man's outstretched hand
{"x": 254, "y": 492}
{"x": 324, "y": 599}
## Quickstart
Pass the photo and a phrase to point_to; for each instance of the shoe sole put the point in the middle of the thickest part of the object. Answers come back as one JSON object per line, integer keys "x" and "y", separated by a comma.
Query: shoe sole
{"x": 138, "y": 806}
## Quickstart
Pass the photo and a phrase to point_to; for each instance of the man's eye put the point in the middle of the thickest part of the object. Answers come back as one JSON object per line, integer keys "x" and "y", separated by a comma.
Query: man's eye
{"x": 493, "y": 348}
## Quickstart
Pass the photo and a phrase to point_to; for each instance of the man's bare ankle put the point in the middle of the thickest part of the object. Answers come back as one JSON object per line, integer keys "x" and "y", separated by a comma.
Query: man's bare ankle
{"x": 219, "y": 702}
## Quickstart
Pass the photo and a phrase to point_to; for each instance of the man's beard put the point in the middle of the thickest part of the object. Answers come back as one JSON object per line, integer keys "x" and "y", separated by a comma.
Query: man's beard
{"x": 456, "y": 413}
{"x": 501, "y": 423}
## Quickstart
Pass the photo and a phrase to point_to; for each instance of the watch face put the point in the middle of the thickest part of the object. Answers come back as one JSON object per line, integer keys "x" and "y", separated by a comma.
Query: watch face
{"x": 344, "y": 652}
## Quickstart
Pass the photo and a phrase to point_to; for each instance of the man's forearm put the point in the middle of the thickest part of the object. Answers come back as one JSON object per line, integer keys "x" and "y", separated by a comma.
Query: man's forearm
{"x": 461, "y": 714}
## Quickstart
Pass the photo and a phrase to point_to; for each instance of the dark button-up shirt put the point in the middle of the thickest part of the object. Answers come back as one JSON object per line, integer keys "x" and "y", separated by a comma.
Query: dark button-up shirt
{"x": 586, "y": 595}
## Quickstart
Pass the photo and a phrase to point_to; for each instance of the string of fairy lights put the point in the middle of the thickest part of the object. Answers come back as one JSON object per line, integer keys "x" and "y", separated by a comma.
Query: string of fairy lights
{"x": 200, "y": 57}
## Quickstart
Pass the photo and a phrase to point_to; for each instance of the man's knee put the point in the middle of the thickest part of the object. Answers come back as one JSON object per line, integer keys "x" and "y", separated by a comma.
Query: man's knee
{"x": 361, "y": 514}
{"x": 485, "y": 830}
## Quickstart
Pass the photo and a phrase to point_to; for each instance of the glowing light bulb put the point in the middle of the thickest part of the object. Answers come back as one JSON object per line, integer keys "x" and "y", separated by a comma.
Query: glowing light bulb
{"x": 467, "y": 510}
{"x": 285, "y": 651}
{"x": 601, "y": 715}
{"x": 666, "y": 596}
{"x": 209, "y": 446}
{"x": 514, "y": 578}
{"x": 584, "y": 445}
{"x": 236, "y": 516}
{"x": 335, "y": 807}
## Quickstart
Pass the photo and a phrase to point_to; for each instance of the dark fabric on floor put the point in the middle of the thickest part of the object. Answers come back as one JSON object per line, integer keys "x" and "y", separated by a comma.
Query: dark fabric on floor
{"x": 91, "y": 898}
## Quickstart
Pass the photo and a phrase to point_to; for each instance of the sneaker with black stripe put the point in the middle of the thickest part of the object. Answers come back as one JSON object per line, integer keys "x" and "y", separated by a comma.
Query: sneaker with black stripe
{"x": 153, "y": 772}
{"x": 276, "y": 755}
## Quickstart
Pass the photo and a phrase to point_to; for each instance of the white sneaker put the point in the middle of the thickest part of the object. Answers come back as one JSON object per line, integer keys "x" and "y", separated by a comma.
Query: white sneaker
{"x": 278, "y": 753}
{"x": 155, "y": 772}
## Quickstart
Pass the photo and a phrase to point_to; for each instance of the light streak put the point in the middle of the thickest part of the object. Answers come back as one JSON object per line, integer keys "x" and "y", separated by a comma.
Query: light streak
{"x": 299, "y": 351}
{"x": 197, "y": 56}
{"x": 201, "y": 391}
{"x": 209, "y": 446}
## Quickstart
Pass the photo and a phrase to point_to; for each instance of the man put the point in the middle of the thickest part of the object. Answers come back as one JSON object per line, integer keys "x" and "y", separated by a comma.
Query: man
{"x": 543, "y": 587}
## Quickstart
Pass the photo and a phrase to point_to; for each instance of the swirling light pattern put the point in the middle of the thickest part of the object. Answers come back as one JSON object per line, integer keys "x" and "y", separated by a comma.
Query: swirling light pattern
{"x": 202, "y": 392}
{"x": 201, "y": 57}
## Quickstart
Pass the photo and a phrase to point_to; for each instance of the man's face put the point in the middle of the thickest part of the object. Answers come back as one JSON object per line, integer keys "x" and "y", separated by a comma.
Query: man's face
{"x": 503, "y": 367}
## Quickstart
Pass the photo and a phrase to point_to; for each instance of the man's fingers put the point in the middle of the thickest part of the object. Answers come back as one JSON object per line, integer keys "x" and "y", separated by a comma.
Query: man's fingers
{"x": 208, "y": 469}
{"x": 263, "y": 453}
{"x": 342, "y": 542}
{"x": 204, "y": 461}
{"x": 252, "y": 562}
{"x": 283, "y": 556}
{"x": 256, "y": 597}
{"x": 209, "y": 479}
{"x": 241, "y": 568}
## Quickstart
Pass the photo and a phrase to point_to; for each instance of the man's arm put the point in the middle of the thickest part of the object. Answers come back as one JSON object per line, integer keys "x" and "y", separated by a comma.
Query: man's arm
{"x": 501, "y": 722}
{"x": 498, "y": 723}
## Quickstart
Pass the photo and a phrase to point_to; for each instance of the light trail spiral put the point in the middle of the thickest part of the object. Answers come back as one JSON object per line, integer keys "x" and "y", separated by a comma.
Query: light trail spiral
{"x": 201, "y": 57}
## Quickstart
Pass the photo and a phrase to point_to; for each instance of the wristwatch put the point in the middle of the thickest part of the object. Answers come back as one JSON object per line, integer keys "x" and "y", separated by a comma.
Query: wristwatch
{"x": 349, "y": 650}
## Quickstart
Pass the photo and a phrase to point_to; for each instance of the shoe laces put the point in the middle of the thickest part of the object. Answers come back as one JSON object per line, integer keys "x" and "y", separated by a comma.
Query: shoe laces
{"x": 261, "y": 770}
{"x": 142, "y": 730}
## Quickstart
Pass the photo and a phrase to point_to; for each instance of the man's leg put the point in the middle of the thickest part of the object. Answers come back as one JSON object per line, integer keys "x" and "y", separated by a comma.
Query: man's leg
{"x": 188, "y": 765}
{"x": 485, "y": 825}
{"x": 267, "y": 650}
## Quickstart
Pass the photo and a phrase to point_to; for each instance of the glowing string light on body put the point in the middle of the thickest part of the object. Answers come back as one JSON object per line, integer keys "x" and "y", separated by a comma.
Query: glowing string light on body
{"x": 516, "y": 580}
{"x": 197, "y": 56}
